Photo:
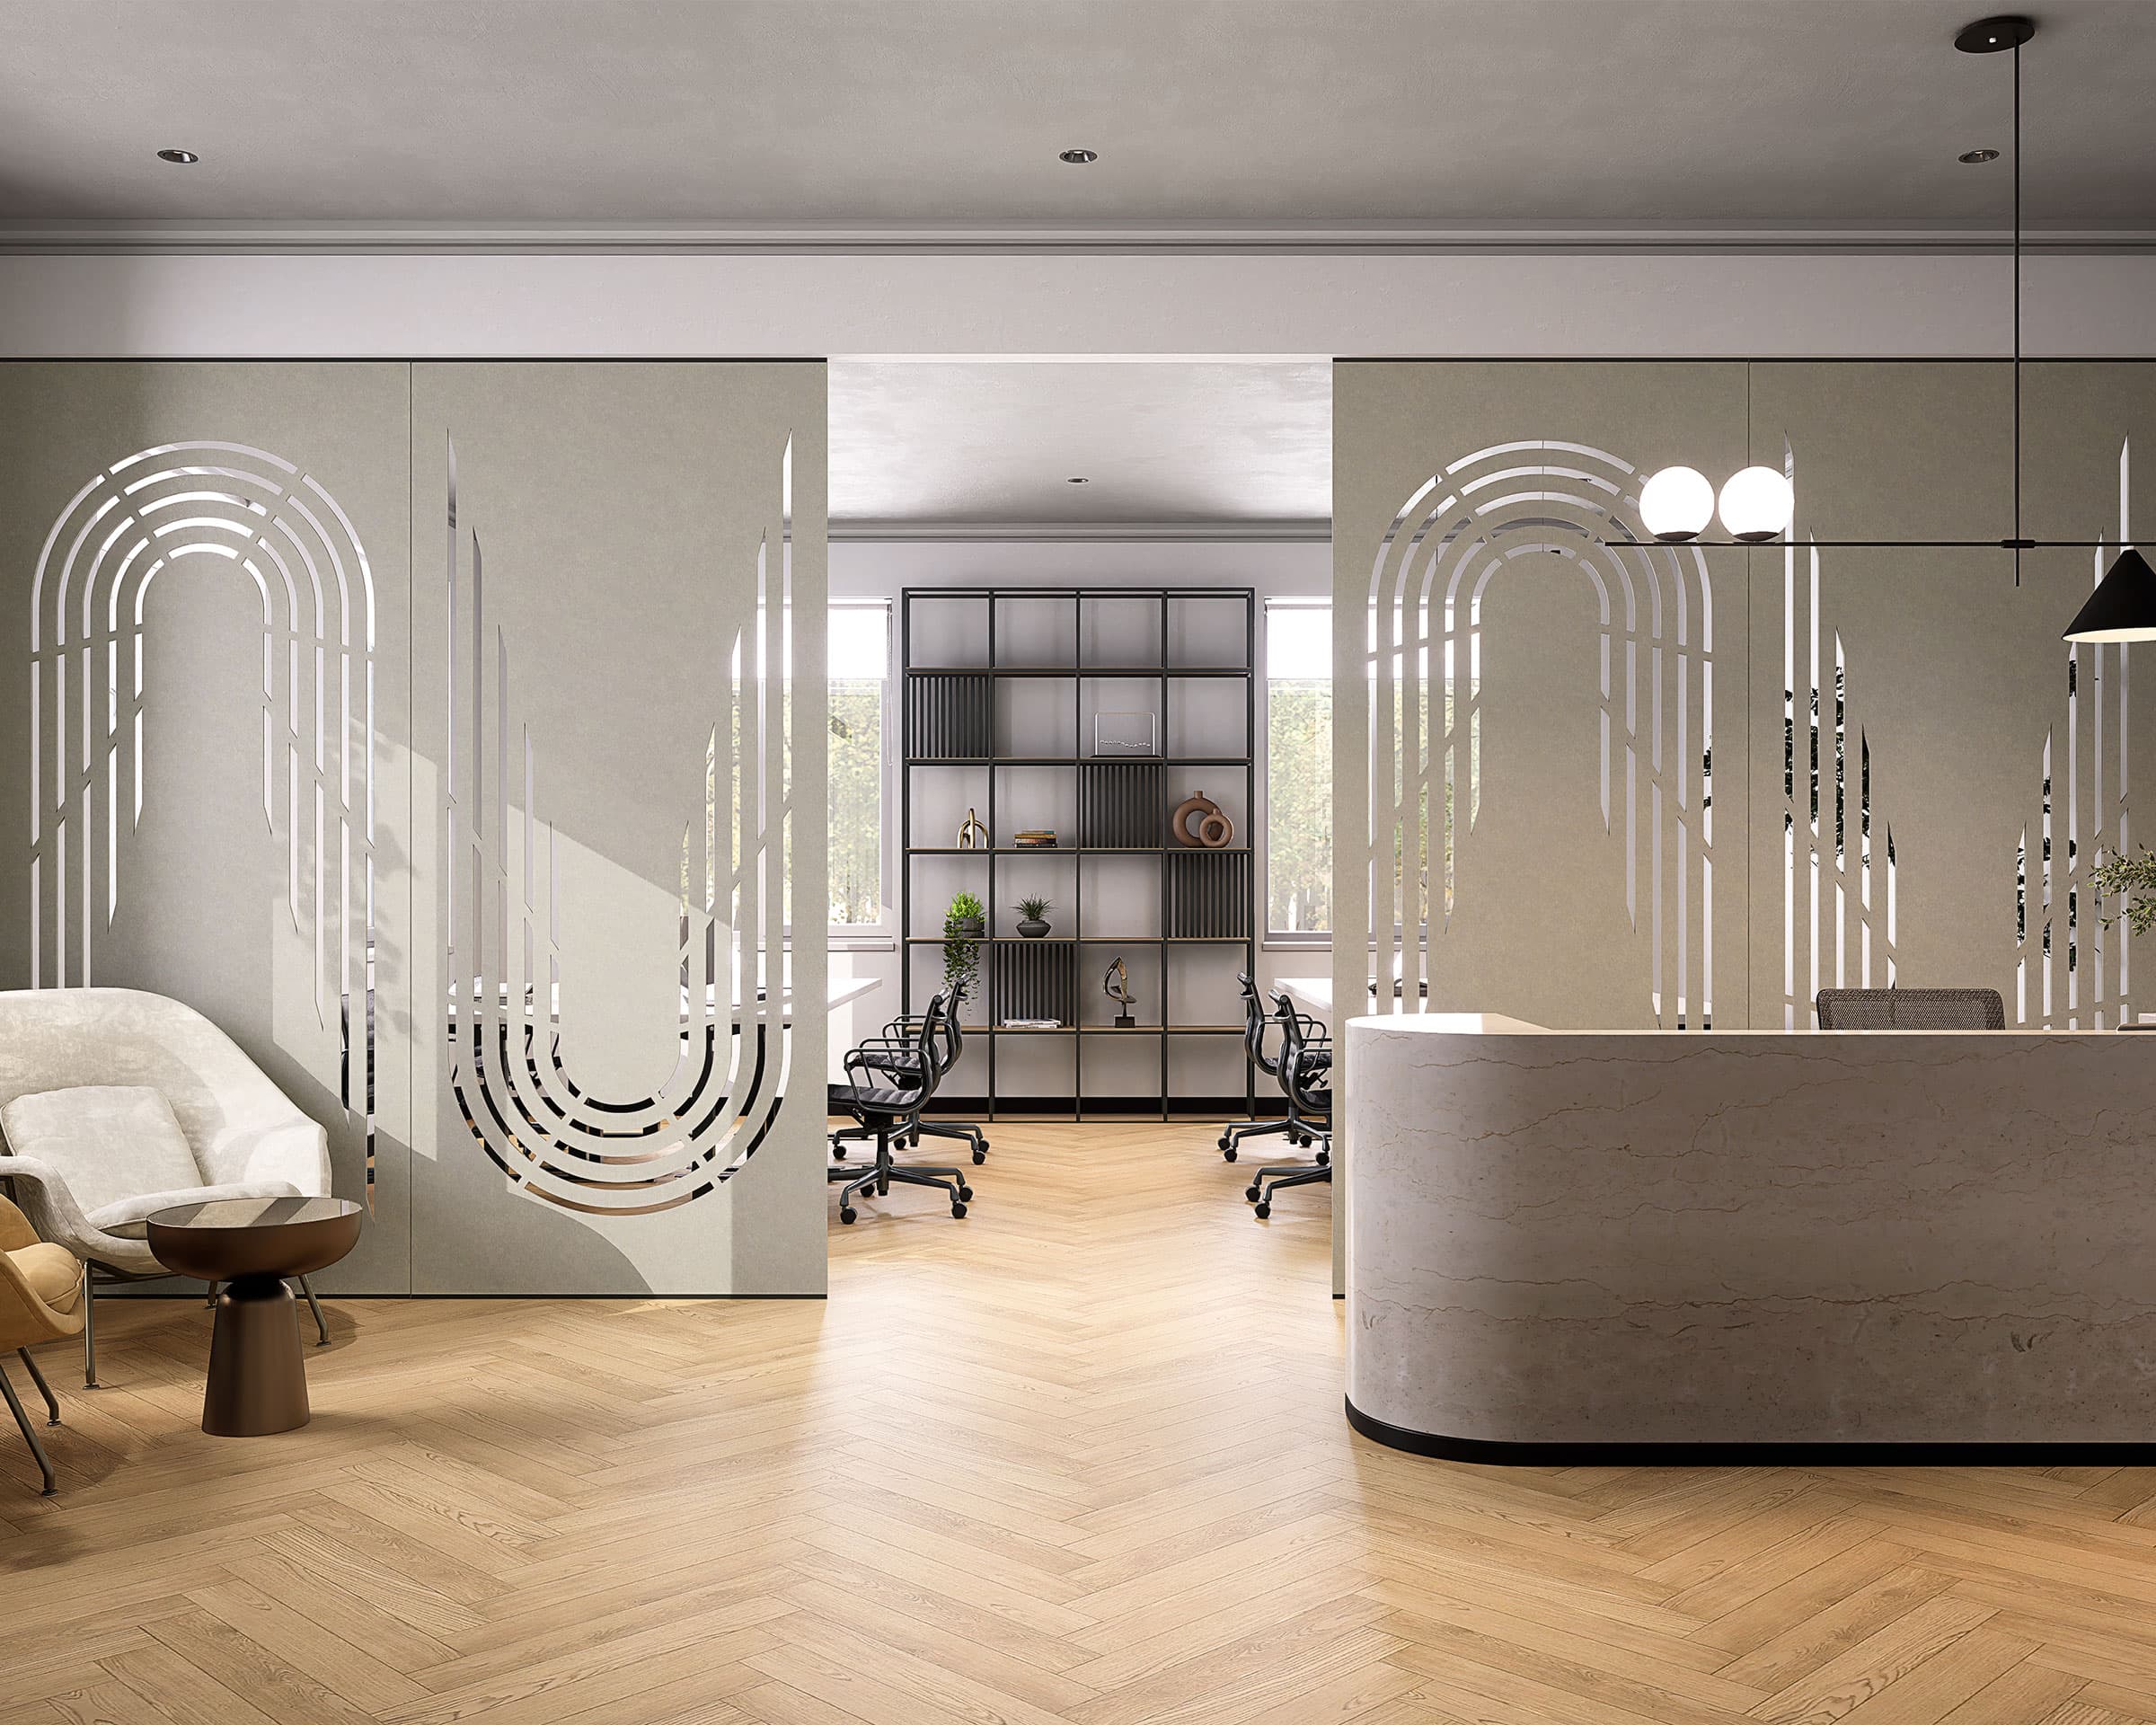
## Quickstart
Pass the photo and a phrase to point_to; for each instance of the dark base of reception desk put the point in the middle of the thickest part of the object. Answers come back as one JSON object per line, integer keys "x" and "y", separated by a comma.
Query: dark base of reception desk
{"x": 1483, "y": 1452}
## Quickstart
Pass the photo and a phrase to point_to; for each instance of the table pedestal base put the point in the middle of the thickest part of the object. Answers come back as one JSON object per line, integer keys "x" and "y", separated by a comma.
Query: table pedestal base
{"x": 258, "y": 1378}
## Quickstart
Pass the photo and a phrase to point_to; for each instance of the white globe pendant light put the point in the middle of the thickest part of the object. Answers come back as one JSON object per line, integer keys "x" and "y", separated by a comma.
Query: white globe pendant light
{"x": 1756, "y": 504}
{"x": 1676, "y": 504}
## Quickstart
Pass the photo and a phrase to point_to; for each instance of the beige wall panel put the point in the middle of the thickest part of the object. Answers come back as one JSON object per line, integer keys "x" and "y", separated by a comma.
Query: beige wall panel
{"x": 237, "y": 887}
{"x": 593, "y": 620}
{"x": 1952, "y": 682}
{"x": 2089, "y": 473}
{"x": 1588, "y": 887}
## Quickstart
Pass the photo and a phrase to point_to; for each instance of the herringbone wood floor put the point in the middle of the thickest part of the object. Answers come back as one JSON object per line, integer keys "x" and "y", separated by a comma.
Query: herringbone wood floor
{"x": 1077, "y": 1458}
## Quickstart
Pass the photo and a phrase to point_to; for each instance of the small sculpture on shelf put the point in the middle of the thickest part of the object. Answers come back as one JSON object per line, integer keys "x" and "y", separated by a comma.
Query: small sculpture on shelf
{"x": 973, "y": 833}
{"x": 1197, "y": 822}
{"x": 1115, "y": 985}
{"x": 1033, "y": 918}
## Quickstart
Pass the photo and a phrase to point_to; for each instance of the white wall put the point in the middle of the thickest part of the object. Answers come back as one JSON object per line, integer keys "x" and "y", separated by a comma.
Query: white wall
{"x": 882, "y": 568}
{"x": 1545, "y": 303}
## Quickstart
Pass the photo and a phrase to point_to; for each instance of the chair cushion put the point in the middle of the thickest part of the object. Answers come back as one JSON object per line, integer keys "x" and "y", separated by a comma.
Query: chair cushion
{"x": 108, "y": 1142}
{"x": 54, "y": 1273}
{"x": 875, "y": 1099}
{"x": 122, "y": 1211}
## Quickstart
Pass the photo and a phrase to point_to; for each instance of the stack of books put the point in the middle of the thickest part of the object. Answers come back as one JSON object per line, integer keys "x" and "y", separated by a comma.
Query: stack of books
{"x": 1036, "y": 838}
{"x": 1032, "y": 1024}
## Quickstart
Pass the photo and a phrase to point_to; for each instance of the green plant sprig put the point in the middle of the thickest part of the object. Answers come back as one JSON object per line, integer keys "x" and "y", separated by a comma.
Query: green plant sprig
{"x": 2133, "y": 879}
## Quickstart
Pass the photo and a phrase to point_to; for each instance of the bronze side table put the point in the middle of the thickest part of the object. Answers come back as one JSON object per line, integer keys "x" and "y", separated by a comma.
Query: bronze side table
{"x": 258, "y": 1380}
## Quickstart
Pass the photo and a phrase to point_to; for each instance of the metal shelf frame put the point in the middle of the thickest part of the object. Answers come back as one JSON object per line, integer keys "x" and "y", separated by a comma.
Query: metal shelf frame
{"x": 1165, "y": 675}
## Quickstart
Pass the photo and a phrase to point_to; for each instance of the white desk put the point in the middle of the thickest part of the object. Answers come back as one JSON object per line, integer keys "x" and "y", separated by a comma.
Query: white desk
{"x": 845, "y": 990}
{"x": 1315, "y": 992}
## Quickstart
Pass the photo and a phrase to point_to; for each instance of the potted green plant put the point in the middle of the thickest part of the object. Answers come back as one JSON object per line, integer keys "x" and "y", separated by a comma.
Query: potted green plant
{"x": 964, "y": 924}
{"x": 1033, "y": 918}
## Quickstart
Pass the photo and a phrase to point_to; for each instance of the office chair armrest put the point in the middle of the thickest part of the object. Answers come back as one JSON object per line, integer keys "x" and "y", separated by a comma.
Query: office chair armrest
{"x": 857, "y": 1062}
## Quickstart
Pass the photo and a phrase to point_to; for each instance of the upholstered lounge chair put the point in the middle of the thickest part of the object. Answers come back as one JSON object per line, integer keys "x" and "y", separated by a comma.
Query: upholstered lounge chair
{"x": 244, "y": 1139}
{"x": 44, "y": 1296}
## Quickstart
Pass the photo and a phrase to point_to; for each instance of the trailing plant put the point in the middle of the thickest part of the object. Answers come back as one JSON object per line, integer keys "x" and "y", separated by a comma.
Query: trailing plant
{"x": 2132, "y": 878}
{"x": 962, "y": 953}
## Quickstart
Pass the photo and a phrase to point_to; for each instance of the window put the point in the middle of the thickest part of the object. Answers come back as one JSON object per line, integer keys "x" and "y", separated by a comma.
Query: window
{"x": 860, "y": 657}
{"x": 1298, "y": 754}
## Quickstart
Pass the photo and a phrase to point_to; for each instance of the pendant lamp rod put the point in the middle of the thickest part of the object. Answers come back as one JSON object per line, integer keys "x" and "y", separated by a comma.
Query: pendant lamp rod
{"x": 2019, "y": 40}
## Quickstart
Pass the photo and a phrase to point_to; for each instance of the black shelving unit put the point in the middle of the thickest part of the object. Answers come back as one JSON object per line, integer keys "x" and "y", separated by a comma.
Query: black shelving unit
{"x": 1206, "y": 898}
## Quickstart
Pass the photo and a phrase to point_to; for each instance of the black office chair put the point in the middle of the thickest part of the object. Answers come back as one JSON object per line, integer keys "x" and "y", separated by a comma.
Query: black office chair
{"x": 1910, "y": 1009}
{"x": 888, "y": 1082}
{"x": 1256, "y": 1022}
{"x": 1306, "y": 1074}
{"x": 950, "y": 1043}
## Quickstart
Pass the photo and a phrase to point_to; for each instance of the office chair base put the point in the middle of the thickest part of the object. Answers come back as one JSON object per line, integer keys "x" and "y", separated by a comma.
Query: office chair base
{"x": 1268, "y": 1181}
{"x": 968, "y": 1135}
{"x": 1232, "y": 1137}
{"x": 883, "y": 1173}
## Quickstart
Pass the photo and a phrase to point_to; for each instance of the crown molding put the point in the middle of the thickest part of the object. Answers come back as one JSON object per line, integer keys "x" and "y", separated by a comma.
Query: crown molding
{"x": 1305, "y": 532}
{"x": 153, "y": 237}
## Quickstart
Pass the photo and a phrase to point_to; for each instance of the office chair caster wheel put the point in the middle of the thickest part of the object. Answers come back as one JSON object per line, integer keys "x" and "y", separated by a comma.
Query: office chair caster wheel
{"x": 846, "y": 1214}
{"x": 1324, "y": 1158}
{"x": 838, "y": 1153}
{"x": 1250, "y": 1192}
{"x": 979, "y": 1156}
{"x": 958, "y": 1209}
{"x": 1227, "y": 1153}
{"x": 1226, "y": 1142}
{"x": 1303, "y": 1140}
{"x": 964, "y": 1194}
{"x": 1262, "y": 1211}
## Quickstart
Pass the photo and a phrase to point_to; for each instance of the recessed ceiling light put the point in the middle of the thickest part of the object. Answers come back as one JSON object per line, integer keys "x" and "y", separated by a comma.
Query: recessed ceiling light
{"x": 180, "y": 156}
{"x": 1974, "y": 156}
{"x": 1079, "y": 158}
{"x": 1077, "y": 479}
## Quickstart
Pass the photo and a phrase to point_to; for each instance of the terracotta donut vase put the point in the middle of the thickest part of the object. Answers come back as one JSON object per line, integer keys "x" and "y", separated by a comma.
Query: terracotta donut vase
{"x": 1211, "y": 830}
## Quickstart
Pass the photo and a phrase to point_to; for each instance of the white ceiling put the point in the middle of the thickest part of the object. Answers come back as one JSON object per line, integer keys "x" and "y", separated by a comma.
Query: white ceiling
{"x": 1169, "y": 443}
{"x": 1485, "y": 113}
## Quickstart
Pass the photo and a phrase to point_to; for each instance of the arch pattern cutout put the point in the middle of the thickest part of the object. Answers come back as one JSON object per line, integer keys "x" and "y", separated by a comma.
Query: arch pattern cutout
{"x": 1840, "y": 890}
{"x": 176, "y": 510}
{"x": 2059, "y": 928}
{"x": 555, "y": 1139}
{"x": 1461, "y": 528}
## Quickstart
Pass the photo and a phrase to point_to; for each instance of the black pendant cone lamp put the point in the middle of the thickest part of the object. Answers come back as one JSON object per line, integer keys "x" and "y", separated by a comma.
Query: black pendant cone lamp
{"x": 2124, "y": 605}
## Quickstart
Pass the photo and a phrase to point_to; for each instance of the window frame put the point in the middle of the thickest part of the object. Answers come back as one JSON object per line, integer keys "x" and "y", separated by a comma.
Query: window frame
{"x": 1280, "y": 940}
{"x": 878, "y": 937}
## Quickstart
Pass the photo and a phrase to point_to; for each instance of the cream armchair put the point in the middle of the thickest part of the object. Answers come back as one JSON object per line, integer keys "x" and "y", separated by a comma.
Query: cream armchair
{"x": 44, "y": 1296}
{"x": 245, "y": 1137}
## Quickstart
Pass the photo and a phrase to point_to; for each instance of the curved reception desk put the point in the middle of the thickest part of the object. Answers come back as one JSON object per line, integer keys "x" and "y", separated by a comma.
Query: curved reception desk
{"x": 1572, "y": 1245}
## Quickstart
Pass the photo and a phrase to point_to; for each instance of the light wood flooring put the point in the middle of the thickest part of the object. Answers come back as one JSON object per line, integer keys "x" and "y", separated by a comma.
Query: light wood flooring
{"x": 1077, "y": 1458}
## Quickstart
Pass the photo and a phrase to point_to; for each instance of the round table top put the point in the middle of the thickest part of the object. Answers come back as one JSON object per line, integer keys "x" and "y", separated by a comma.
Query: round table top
{"x": 252, "y": 1213}
{"x": 229, "y": 1238}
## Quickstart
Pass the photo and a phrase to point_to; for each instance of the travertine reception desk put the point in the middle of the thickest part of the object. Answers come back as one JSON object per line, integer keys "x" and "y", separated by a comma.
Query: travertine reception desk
{"x": 1561, "y": 1239}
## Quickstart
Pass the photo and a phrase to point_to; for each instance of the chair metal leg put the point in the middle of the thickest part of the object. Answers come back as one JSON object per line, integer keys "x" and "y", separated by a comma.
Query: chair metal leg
{"x": 90, "y": 1329}
{"x": 29, "y": 1435}
{"x": 52, "y": 1402}
{"x": 880, "y": 1175}
{"x": 322, "y": 1324}
{"x": 209, "y": 1296}
{"x": 967, "y": 1135}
